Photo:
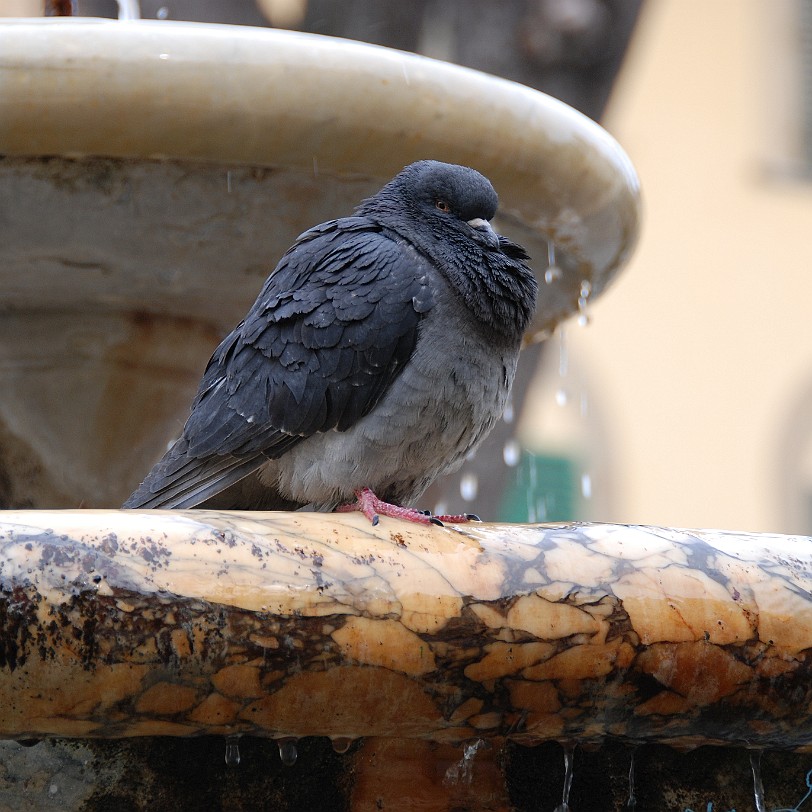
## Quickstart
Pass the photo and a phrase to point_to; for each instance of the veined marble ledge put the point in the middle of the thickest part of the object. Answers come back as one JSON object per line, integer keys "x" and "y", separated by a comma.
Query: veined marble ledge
{"x": 116, "y": 623}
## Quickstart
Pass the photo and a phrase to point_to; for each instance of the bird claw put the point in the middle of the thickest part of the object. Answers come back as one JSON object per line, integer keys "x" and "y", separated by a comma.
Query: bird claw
{"x": 458, "y": 518}
{"x": 373, "y": 508}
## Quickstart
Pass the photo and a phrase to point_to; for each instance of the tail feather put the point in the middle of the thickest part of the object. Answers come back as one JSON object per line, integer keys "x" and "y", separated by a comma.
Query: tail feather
{"x": 176, "y": 482}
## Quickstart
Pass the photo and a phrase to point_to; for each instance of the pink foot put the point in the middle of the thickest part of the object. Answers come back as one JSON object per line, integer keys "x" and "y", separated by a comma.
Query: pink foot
{"x": 373, "y": 508}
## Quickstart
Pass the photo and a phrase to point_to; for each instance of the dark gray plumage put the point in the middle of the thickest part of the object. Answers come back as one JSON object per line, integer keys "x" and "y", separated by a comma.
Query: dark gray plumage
{"x": 380, "y": 351}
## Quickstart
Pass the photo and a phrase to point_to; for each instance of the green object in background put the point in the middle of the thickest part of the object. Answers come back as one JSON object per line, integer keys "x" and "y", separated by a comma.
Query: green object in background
{"x": 543, "y": 489}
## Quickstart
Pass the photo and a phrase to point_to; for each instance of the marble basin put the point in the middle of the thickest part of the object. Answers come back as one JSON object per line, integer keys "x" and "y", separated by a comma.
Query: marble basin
{"x": 151, "y": 174}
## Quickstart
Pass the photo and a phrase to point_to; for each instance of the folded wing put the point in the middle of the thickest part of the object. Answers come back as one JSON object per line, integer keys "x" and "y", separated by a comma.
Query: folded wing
{"x": 332, "y": 328}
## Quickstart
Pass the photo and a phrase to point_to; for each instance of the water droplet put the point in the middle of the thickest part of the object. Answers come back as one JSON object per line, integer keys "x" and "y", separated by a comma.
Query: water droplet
{"x": 512, "y": 453}
{"x": 440, "y": 509}
{"x": 163, "y": 56}
{"x": 569, "y": 756}
{"x": 469, "y": 486}
{"x": 758, "y": 785}
{"x": 287, "y": 752}
{"x": 552, "y": 273}
{"x": 162, "y": 13}
{"x": 341, "y": 744}
{"x": 561, "y": 397}
{"x": 586, "y": 486}
{"x": 232, "y": 750}
{"x": 583, "y": 301}
{"x": 168, "y": 276}
{"x": 508, "y": 414}
{"x": 53, "y": 789}
{"x": 631, "y": 801}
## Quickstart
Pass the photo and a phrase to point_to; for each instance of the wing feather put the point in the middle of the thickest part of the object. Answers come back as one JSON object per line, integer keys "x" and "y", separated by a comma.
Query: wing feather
{"x": 333, "y": 326}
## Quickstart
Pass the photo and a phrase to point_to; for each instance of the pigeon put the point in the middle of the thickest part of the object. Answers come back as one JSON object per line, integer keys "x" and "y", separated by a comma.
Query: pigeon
{"x": 379, "y": 353}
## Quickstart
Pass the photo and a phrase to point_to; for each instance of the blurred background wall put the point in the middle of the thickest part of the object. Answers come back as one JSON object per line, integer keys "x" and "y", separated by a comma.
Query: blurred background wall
{"x": 700, "y": 357}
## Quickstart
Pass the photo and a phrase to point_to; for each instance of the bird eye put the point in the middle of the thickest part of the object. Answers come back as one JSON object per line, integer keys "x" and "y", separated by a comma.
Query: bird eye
{"x": 442, "y": 205}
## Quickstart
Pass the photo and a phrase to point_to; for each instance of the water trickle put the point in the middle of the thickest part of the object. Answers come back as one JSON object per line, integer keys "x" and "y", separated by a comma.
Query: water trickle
{"x": 129, "y": 10}
{"x": 508, "y": 415}
{"x": 287, "y": 752}
{"x": 469, "y": 486}
{"x": 563, "y": 355}
{"x": 512, "y": 453}
{"x": 228, "y": 181}
{"x": 631, "y": 801}
{"x": 586, "y": 486}
{"x": 232, "y": 750}
{"x": 758, "y": 786}
{"x": 341, "y": 744}
{"x": 462, "y": 772}
{"x": 569, "y": 755}
{"x": 583, "y": 301}
{"x": 553, "y": 272}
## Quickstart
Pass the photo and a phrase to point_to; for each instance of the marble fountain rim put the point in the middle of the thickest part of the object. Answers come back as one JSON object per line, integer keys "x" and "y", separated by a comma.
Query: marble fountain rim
{"x": 158, "y": 90}
{"x": 191, "y": 622}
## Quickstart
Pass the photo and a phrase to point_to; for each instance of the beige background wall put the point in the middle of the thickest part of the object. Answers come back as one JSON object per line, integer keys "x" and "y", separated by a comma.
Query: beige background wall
{"x": 698, "y": 363}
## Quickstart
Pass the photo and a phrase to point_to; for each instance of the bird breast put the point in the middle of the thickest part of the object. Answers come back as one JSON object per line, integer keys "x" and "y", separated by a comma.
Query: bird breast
{"x": 444, "y": 402}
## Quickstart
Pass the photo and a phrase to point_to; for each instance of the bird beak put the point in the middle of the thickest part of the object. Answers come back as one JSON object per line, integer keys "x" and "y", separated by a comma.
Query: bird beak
{"x": 486, "y": 230}
{"x": 481, "y": 225}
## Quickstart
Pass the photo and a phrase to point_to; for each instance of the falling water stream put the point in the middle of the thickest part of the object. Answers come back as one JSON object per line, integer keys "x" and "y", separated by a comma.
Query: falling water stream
{"x": 631, "y": 801}
{"x": 462, "y": 772}
{"x": 232, "y": 750}
{"x": 758, "y": 785}
{"x": 569, "y": 756}
{"x": 129, "y": 10}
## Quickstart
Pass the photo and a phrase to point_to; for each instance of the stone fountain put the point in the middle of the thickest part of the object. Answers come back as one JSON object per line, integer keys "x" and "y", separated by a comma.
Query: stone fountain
{"x": 151, "y": 175}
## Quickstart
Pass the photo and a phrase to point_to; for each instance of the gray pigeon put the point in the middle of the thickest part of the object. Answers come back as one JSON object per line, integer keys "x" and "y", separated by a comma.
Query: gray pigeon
{"x": 380, "y": 352}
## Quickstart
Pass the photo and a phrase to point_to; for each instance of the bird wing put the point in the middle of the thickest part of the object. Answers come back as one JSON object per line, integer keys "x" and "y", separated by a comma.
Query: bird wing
{"x": 333, "y": 326}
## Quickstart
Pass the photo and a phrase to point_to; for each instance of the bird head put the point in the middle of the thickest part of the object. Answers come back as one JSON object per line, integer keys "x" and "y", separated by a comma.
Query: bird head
{"x": 441, "y": 197}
